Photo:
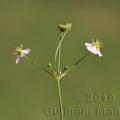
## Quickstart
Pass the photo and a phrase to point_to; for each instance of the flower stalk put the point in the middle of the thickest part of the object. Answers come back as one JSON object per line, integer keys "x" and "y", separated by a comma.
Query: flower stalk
{"x": 35, "y": 63}
{"x": 60, "y": 99}
{"x": 76, "y": 63}
{"x": 58, "y": 52}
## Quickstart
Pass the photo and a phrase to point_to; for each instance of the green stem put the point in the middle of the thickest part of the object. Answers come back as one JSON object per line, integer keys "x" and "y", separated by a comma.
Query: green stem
{"x": 59, "y": 59}
{"x": 77, "y": 62}
{"x": 58, "y": 48}
{"x": 60, "y": 99}
{"x": 35, "y": 63}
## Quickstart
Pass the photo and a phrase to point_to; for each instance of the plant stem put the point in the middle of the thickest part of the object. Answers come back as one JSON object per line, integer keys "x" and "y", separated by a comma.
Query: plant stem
{"x": 77, "y": 62}
{"x": 59, "y": 55}
{"x": 59, "y": 49}
{"x": 59, "y": 59}
{"x": 35, "y": 63}
{"x": 60, "y": 99}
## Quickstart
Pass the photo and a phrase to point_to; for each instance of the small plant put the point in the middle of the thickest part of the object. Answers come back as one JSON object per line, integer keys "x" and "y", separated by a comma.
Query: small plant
{"x": 55, "y": 69}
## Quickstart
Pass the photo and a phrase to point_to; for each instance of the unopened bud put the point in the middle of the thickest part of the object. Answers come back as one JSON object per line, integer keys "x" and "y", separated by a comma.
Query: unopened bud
{"x": 49, "y": 65}
{"x": 64, "y": 69}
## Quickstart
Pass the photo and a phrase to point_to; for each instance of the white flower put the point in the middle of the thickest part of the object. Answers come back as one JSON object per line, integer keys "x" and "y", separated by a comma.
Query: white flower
{"x": 20, "y": 52}
{"x": 94, "y": 47}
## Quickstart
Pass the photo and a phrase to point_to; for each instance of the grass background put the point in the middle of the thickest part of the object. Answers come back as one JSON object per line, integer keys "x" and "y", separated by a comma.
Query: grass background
{"x": 25, "y": 90}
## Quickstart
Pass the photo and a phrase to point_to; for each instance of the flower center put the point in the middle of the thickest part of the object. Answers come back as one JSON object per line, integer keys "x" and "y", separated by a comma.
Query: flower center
{"x": 19, "y": 50}
{"x": 97, "y": 44}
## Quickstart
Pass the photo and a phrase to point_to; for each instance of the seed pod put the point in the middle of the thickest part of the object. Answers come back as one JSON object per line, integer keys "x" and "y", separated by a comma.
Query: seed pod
{"x": 63, "y": 28}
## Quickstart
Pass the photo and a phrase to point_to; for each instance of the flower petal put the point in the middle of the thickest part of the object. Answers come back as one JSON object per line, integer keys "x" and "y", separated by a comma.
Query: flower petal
{"x": 88, "y": 44}
{"x": 99, "y": 53}
{"x": 25, "y": 52}
{"x": 18, "y": 59}
{"x": 91, "y": 48}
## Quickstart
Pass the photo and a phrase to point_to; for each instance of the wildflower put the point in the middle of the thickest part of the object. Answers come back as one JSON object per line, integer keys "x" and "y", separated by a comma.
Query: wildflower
{"x": 94, "y": 47}
{"x": 20, "y": 52}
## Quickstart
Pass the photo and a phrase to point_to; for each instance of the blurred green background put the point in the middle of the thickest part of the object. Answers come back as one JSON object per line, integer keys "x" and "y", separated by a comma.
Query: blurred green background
{"x": 26, "y": 91}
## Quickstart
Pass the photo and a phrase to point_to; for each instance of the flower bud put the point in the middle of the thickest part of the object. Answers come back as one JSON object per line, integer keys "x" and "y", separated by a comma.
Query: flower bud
{"x": 64, "y": 69}
{"x": 49, "y": 65}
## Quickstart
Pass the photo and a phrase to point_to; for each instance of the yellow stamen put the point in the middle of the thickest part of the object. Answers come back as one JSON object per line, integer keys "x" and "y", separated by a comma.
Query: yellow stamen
{"x": 97, "y": 44}
{"x": 19, "y": 49}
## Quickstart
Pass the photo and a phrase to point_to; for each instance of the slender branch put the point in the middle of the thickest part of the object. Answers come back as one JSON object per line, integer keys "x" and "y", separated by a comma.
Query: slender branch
{"x": 60, "y": 99}
{"x": 35, "y": 63}
{"x": 59, "y": 59}
{"x": 77, "y": 62}
{"x": 59, "y": 44}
